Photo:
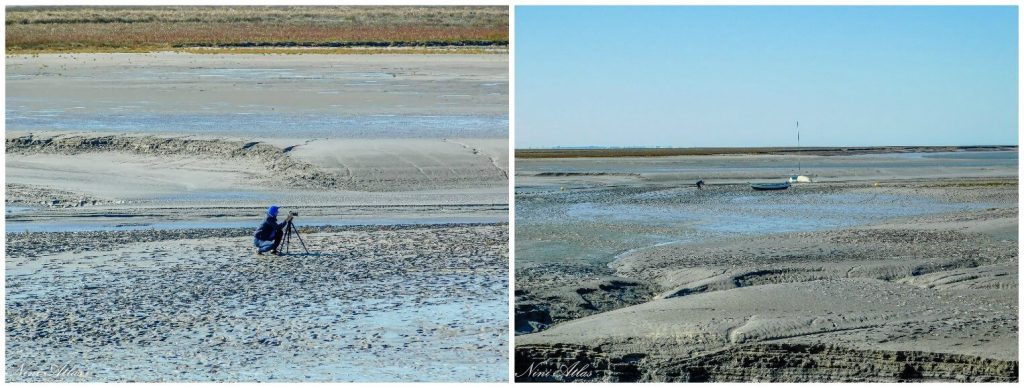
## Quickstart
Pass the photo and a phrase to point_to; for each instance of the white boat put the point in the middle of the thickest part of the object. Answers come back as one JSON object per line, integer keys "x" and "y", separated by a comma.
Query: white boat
{"x": 800, "y": 179}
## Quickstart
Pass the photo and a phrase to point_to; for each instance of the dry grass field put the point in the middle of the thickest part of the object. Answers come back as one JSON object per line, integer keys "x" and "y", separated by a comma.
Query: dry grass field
{"x": 341, "y": 28}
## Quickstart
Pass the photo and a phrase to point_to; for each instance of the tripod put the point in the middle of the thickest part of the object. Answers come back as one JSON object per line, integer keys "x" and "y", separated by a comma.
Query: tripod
{"x": 289, "y": 229}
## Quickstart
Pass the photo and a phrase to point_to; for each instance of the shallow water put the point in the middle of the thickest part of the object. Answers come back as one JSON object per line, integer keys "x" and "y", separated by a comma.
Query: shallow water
{"x": 597, "y": 225}
{"x": 247, "y": 96}
{"x": 966, "y": 155}
{"x": 257, "y": 122}
{"x": 761, "y": 212}
{"x": 613, "y": 205}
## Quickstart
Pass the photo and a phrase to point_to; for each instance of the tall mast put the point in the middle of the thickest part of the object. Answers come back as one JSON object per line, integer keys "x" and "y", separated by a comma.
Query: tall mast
{"x": 798, "y": 167}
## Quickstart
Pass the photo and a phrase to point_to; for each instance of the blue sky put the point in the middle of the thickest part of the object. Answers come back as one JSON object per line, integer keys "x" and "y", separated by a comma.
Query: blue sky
{"x": 742, "y": 76}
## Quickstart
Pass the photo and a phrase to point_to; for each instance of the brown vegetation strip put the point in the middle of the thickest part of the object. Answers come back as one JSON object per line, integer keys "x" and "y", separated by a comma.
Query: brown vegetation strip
{"x": 278, "y": 50}
{"x": 167, "y": 28}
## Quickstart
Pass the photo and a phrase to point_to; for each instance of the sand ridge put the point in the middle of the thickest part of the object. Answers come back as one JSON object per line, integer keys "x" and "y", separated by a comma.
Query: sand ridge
{"x": 355, "y": 165}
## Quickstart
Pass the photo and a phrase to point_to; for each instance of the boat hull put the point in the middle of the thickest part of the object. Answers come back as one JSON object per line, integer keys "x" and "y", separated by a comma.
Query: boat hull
{"x": 769, "y": 186}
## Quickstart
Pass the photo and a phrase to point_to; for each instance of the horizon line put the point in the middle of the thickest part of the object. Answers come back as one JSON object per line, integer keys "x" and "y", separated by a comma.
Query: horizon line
{"x": 763, "y": 147}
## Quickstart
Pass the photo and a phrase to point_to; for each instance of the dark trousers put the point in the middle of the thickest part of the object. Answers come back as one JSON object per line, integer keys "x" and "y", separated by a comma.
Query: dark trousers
{"x": 266, "y": 245}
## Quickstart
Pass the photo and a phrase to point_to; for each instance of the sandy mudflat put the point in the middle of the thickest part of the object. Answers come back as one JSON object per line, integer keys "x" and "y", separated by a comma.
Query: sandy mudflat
{"x": 380, "y": 138}
{"x": 135, "y": 181}
{"x": 241, "y": 84}
{"x": 630, "y": 273}
{"x": 417, "y": 303}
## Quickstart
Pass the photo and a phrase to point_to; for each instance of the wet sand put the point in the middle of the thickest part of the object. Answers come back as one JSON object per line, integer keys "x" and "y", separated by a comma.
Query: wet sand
{"x": 138, "y": 133}
{"x": 408, "y": 303}
{"x": 128, "y": 175}
{"x": 241, "y": 85}
{"x": 632, "y": 274}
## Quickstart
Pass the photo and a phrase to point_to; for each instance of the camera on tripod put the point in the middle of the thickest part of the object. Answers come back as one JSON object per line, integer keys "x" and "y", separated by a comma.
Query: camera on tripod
{"x": 289, "y": 230}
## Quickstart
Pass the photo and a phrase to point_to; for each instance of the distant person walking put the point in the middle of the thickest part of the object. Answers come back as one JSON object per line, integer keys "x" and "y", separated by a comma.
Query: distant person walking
{"x": 268, "y": 236}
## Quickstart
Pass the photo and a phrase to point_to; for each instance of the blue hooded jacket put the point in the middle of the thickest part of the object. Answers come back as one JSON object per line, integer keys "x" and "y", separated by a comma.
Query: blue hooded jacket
{"x": 268, "y": 231}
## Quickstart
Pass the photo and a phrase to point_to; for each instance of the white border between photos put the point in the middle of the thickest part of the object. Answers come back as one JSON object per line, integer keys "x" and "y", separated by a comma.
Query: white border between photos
{"x": 511, "y": 192}
{"x": 511, "y": 93}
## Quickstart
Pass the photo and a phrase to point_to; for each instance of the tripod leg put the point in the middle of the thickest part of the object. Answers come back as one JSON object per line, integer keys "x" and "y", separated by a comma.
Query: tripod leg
{"x": 287, "y": 239}
{"x": 300, "y": 239}
{"x": 284, "y": 242}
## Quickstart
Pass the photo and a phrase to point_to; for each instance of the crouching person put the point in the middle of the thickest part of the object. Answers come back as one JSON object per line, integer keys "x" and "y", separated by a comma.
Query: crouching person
{"x": 268, "y": 236}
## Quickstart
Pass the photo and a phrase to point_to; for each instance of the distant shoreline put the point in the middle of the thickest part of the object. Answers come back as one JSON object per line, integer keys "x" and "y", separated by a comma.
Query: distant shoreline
{"x": 552, "y": 153}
